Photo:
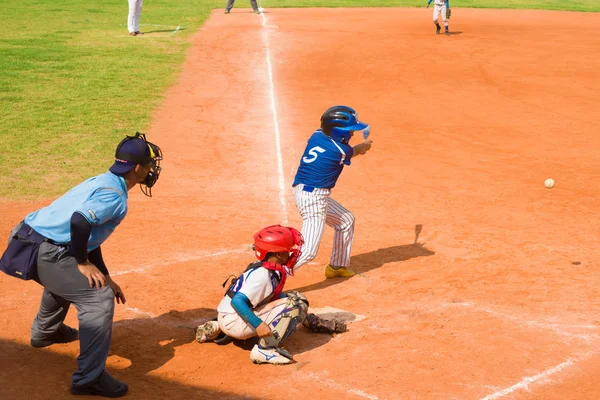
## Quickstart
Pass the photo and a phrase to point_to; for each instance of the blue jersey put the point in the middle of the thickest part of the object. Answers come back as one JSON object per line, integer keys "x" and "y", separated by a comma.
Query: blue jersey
{"x": 102, "y": 200}
{"x": 322, "y": 162}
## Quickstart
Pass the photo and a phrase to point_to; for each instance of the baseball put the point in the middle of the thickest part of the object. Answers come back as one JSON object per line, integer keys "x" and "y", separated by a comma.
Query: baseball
{"x": 549, "y": 183}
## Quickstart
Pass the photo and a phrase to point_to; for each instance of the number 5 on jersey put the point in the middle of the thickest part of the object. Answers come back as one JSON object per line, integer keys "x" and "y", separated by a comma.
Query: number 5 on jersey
{"x": 313, "y": 152}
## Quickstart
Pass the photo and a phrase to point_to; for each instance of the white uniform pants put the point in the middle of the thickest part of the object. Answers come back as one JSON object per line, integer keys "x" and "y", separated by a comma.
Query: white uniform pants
{"x": 233, "y": 325}
{"x": 133, "y": 19}
{"x": 440, "y": 10}
{"x": 318, "y": 209}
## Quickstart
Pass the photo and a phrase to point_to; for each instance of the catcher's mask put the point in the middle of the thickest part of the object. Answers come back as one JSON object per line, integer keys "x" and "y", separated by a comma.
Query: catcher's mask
{"x": 276, "y": 239}
{"x": 341, "y": 122}
{"x": 134, "y": 150}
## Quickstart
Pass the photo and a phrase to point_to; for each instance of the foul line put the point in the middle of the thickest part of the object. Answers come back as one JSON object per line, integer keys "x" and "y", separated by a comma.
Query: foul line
{"x": 148, "y": 316}
{"x": 524, "y": 383}
{"x": 559, "y": 329}
{"x": 334, "y": 385}
{"x": 275, "y": 123}
{"x": 181, "y": 259}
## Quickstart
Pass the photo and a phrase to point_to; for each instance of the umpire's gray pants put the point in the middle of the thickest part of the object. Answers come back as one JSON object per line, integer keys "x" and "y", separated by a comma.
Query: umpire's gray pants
{"x": 63, "y": 285}
{"x": 230, "y": 4}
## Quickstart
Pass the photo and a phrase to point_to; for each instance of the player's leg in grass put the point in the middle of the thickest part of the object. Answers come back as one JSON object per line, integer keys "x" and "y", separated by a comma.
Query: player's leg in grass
{"x": 229, "y": 6}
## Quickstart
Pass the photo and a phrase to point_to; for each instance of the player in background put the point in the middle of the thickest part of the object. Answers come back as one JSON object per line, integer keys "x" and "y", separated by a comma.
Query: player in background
{"x": 440, "y": 7}
{"x": 327, "y": 152}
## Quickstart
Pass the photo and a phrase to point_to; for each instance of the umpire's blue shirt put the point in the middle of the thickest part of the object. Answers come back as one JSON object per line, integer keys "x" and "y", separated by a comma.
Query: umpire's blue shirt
{"x": 102, "y": 200}
{"x": 323, "y": 161}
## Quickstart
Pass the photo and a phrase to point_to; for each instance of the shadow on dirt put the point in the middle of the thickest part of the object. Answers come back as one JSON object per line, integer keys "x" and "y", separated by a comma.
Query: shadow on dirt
{"x": 28, "y": 373}
{"x": 366, "y": 262}
{"x": 149, "y": 343}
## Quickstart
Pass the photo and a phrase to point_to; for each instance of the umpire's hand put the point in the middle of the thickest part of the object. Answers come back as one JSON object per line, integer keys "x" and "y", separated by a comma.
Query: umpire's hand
{"x": 93, "y": 274}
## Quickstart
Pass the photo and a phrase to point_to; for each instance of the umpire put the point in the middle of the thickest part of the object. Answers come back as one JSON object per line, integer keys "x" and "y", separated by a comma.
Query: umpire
{"x": 59, "y": 247}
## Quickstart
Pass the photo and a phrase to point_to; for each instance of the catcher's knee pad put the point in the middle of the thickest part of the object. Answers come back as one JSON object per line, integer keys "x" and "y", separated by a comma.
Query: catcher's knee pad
{"x": 297, "y": 297}
{"x": 293, "y": 314}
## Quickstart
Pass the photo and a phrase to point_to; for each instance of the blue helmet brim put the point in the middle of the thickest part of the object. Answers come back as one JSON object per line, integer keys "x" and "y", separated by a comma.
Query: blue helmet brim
{"x": 358, "y": 126}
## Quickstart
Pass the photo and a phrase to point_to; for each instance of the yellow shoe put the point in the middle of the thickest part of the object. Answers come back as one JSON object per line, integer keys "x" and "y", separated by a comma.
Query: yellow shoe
{"x": 342, "y": 272}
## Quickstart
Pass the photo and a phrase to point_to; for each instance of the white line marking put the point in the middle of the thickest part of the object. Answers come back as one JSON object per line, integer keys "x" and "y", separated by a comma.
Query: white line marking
{"x": 175, "y": 31}
{"x": 276, "y": 125}
{"x": 524, "y": 383}
{"x": 140, "y": 312}
{"x": 153, "y": 318}
{"x": 557, "y": 328}
{"x": 182, "y": 258}
{"x": 166, "y": 26}
{"x": 334, "y": 385}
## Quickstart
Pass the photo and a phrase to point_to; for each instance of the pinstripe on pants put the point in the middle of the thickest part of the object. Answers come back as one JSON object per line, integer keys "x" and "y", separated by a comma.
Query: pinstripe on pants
{"x": 318, "y": 209}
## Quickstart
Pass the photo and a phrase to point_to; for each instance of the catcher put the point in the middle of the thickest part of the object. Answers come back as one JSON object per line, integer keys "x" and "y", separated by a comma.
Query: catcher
{"x": 441, "y": 7}
{"x": 255, "y": 304}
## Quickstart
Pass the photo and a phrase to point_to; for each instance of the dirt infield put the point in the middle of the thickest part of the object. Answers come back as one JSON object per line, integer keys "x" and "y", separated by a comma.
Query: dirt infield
{"x": 498, "y": 297}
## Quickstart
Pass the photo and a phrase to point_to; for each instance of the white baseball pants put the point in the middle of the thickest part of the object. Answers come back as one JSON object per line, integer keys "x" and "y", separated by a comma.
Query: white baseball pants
{"x": 318, "y": 209}
{"x": 439, "y": 10}
{"x": 133, "y": 19}
{"x": 233, "y": 325}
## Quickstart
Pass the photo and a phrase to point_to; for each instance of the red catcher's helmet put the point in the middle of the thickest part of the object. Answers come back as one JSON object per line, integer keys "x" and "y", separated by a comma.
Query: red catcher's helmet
{"x": 277, "y": 238}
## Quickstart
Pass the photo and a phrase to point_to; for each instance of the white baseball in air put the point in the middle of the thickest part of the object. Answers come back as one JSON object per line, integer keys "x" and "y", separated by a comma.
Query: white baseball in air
{"x": 367, "y": 131}
{"x": 549, "y": 183}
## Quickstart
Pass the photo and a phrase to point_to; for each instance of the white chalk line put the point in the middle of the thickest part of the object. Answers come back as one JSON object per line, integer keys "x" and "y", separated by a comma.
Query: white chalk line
{"x": 161, "y": 26}
{"x": 334, "y": 385}
{"x": 152, "y": 318}
{"x": 181, "y": 259}
{"x": 280, "y": 175}
{"x": 166, "y": 26}
{"x": 557, "y": 328}
{"x": 136, "y": 310}
{"x": 544, "y": 375}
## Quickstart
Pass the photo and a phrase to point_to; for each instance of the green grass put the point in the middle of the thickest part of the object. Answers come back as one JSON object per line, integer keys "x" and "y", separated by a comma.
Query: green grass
{"x": 72, "y": 83}
{"x": 571, "y": 5}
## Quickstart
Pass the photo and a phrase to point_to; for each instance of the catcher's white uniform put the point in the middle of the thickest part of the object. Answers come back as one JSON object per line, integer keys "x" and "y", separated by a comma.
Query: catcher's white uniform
{"x": 257, "y": 285}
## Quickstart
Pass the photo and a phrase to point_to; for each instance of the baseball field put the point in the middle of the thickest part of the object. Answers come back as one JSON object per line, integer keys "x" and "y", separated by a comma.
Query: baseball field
{"x": 474, "y": 280}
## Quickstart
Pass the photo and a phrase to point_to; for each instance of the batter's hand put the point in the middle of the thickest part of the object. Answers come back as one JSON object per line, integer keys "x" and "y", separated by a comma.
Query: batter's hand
{"x": 93, "y": 274}
{"x": 119, "y": 295}
{"x": 263, "y": 330}
{"x": 363, "y": 147}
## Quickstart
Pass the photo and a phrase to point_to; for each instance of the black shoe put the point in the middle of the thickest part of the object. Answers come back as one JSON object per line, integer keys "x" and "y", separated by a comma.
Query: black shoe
{"x": 227, "y": 11}
{"x": 257, "y": 11}
{"x": 447, "y": 33}
{"x": 437, "y": 30}
{"x": 65, "y": 334}
{"x": 105, "y": 385}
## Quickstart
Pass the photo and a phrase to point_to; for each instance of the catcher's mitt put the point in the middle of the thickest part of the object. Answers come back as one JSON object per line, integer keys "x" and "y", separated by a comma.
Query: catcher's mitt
{"x": 448, "y": 13}
{"x": 319, "y": 325}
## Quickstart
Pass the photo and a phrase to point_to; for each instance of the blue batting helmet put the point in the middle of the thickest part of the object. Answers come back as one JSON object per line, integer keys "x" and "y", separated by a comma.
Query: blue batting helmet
{"x": 340, "y": 121}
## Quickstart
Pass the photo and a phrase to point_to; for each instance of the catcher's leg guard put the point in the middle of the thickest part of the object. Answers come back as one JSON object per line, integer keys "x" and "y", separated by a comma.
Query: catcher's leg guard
{"x": 284, "y": 324}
